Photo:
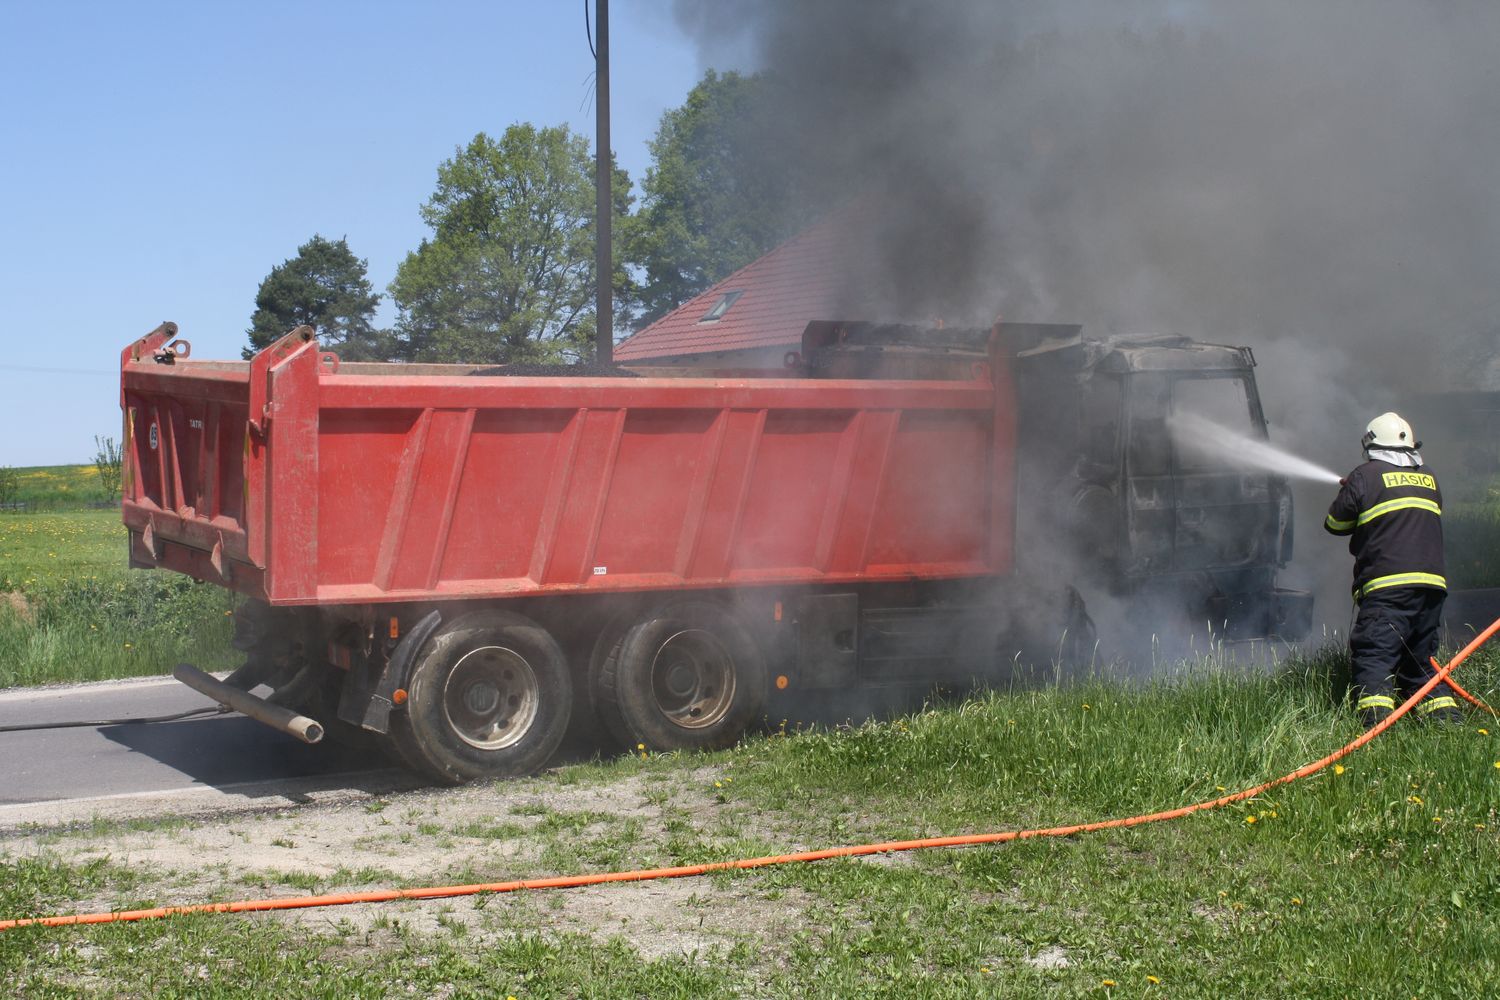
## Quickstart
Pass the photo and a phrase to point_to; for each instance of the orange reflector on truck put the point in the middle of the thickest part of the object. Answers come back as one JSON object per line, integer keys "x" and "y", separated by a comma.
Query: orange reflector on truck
{"x": 781, "y": 682}
{"x": 398, "y": 697}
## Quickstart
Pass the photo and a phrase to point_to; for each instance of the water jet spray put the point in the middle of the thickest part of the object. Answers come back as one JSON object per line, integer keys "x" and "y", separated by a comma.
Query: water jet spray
{"x": 1233, "y": 446}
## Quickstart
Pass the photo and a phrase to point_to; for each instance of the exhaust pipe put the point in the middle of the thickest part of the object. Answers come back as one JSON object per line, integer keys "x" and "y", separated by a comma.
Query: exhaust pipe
{"x": 253, "y": 706}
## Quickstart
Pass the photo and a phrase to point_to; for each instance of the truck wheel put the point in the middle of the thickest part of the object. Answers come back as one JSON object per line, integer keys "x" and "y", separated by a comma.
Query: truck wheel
{"x": 689, "y": 677}
{"x": 604, "y": 665}
{"x": 489, "y": 697}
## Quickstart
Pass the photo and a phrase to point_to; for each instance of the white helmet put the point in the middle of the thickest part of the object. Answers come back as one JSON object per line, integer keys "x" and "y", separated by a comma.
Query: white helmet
{"x": 1389, "y": 431}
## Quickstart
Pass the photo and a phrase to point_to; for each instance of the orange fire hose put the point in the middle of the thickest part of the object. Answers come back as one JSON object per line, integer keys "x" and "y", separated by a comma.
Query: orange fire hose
{"x": 858, "y": 850}
{"x": 1466, "y": 696}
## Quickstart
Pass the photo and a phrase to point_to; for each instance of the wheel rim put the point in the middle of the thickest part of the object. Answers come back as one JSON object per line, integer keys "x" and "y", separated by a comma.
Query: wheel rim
{"x": 692, "y": 679}
{"x": 491, "y": 697}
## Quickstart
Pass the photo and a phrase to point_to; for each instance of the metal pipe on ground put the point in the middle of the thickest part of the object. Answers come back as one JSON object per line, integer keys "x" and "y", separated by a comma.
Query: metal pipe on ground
{"x": 249, "y": 705}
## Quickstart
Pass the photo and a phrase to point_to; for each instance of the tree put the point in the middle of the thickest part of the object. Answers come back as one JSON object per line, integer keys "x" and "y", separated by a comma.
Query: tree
{"x": 721, "y": 192}
{"x": 10, "y": 485}
{"x": 508, "y": 273}
{"x": 324, "y": 287}
{"x": 107, "y": 461}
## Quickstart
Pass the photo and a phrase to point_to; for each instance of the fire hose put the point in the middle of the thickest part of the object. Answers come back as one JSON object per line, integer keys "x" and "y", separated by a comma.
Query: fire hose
{"x": 742, "y": 864}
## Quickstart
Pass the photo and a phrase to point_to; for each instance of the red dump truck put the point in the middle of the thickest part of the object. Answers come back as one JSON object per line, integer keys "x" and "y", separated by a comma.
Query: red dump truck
{"x": 460, "y": 560}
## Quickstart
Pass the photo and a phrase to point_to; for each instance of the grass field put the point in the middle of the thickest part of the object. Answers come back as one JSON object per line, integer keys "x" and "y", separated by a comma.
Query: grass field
{"x": 57, "y": 487}
{"x": 1471, "y": 533}
{"x": 1377, "y": 879}
{"x": 71, "y": 610}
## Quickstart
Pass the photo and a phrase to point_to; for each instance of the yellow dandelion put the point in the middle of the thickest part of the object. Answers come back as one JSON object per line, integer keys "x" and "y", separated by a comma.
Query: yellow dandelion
{"x": 1153, "y": 980}
{"x": 1416, "y": 800}
{"x": 1086, "y": 706}
{"x": 1484, "y": 732}
{"x": 1250, "y": 819}
{"x": 1108, "y": 983}
{"x": 640, "y": 746}
{"x": 985, "y": 969}
{"x": 1338, "y": 769}
{"x": 1296, "y": 900}
{"x": 1220, "y": 788}
{"x": 718, "y": 784}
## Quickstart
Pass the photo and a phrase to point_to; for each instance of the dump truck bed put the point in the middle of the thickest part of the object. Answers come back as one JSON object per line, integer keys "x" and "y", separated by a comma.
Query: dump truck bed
{"x": 296, "y": 480}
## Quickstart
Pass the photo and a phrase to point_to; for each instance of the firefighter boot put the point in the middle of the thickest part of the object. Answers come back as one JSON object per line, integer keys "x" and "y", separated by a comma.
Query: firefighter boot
{"x": 1440, "y": 711}
{"x": 1374, "y": 709}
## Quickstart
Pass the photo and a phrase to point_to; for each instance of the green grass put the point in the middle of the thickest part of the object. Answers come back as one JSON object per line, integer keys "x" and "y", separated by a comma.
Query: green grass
{"x": 1382, "y": 880}
{"x": 1471, "y": 532}
{"x": 1471, "y": 535}
{"x": 71, "y": 609}
{"x": 56, "y": 487}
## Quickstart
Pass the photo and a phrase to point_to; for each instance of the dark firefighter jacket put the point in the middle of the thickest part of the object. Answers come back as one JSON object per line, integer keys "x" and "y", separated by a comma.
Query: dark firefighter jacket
{"x": 1395, "y": 518}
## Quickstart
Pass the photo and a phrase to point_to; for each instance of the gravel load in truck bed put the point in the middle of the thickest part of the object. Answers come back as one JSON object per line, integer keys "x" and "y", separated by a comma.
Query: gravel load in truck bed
{"x": 588, "y": 370}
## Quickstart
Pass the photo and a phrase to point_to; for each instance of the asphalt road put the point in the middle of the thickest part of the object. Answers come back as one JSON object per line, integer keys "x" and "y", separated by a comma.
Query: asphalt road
{"x": 213, "y": 762}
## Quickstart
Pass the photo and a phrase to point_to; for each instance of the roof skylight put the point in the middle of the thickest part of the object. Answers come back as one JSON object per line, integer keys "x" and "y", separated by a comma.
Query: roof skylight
{"x": 722, "y": 306}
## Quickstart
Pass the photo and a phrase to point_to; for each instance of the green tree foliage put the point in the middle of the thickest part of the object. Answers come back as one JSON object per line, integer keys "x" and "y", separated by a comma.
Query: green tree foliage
{"x": 324, "y": 287}
{"x": 10, "y": 485}
{"x": 108, "y": 460}
{"x": 722, "y": 191}
{"x": 508, "y": 272}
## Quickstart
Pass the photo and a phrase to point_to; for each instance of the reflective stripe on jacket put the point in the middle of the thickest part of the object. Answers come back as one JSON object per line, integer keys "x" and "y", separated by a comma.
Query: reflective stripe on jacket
{"x": 1394, "y": 518}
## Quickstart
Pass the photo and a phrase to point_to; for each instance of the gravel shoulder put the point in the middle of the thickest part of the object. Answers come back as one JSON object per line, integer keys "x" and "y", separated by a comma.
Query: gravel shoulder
{"x": 338, "y": 840}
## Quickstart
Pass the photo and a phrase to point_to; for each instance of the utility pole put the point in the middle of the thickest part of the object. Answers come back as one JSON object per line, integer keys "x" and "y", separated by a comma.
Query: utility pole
{"x": 604, "y": 309}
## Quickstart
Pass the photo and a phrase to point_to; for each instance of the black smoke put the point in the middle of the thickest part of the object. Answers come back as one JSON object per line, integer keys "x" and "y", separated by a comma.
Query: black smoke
{"x": 1321, "y": 171}
{"x": 1314, "y": 178}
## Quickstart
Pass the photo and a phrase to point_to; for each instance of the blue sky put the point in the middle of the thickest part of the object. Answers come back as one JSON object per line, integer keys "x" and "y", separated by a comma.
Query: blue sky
{"x": 159, "y": 159}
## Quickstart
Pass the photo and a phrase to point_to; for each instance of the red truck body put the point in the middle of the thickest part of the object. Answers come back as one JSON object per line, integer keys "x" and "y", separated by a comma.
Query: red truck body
{"x": 464, "y": 562}
{"x": 297, "y": 481}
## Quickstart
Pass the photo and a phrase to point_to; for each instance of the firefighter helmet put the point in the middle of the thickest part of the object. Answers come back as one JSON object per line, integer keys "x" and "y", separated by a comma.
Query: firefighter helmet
{"x": 1389, "y": 431}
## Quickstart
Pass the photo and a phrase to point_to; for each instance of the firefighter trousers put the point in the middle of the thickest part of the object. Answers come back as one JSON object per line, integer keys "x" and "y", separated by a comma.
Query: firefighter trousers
{"x": 1391, "y": 645}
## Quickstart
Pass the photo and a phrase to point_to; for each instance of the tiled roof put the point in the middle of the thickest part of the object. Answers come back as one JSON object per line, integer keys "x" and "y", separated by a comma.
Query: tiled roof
{"x": 798, "y": 281}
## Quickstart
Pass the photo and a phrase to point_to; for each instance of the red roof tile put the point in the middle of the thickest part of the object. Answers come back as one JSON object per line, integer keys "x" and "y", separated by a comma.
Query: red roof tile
{"x": 799, "y": 281}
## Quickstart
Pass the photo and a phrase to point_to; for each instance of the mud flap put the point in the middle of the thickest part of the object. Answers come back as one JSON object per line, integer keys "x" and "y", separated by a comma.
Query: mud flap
{"x": 1294, "y": 609}
{"x": 367, "y": 698}
{"x": 1279, "y": 614}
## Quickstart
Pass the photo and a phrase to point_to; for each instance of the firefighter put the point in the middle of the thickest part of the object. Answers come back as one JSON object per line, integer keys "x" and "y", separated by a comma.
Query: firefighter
{"x": 1391, "y": 507}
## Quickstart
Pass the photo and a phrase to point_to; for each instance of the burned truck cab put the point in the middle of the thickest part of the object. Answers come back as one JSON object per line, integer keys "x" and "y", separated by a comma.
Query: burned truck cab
{"x": 1109, "y": 501}
{"x": 1145, "y": 514}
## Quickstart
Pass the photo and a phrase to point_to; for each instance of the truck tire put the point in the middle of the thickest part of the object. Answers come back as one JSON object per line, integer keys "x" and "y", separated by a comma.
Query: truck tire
{"x": 613, "y": 734}
{"x": 688, "y": 677}
{"x": 601, "y": 726}
{"x": 489, "y": 697}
